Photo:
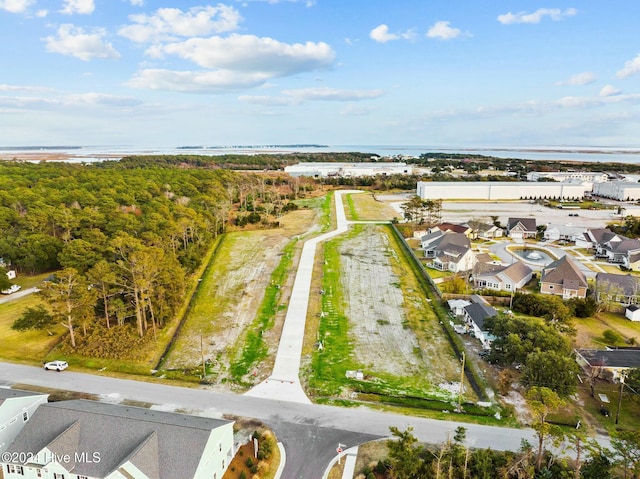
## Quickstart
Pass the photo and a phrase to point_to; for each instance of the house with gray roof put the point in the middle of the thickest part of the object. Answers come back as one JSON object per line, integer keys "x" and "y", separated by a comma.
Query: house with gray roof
{"x": 16, "y": 408}
{"x": 620, "y": 288}
{"x": 485, "y": 230}
{"x": 475, "y": 315}
{"x": 613, "y": 361}
{"x": 449, "y": 251}
{"x": 505, "y": 277}
{"x": 564, "y": 278}
{"x": 521, "y": 228}
{"x": 93, "y": 440}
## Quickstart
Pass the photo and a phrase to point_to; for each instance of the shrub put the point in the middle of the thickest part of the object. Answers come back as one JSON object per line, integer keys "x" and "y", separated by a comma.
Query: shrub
{"x": 249, "y": 462}
{"x": 242, "y": 475}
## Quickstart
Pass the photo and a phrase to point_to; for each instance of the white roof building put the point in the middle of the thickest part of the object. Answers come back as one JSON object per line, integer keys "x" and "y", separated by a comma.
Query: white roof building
{"x": 500, "y": 190}
{"x": 320, "y": 170}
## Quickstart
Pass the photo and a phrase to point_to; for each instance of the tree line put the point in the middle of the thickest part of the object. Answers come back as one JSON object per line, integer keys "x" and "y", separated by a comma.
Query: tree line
{"x": 119, "y": 240}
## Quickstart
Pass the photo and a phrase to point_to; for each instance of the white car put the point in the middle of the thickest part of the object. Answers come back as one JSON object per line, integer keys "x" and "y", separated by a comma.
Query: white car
{"x": 56, "y": 366}
{"x": 14, "y": 288}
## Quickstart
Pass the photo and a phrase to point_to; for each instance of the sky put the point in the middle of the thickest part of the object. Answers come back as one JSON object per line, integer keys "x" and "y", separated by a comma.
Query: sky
{"x": 457, "y": 73}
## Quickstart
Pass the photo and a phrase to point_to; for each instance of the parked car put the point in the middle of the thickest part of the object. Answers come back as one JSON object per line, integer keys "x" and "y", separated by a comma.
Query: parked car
{"x": 14, "y": 288}
{"x": 56, "y": 366}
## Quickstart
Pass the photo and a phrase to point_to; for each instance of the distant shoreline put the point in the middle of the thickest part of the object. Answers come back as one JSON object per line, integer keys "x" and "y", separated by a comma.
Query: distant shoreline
{"x": 92, "y": 154}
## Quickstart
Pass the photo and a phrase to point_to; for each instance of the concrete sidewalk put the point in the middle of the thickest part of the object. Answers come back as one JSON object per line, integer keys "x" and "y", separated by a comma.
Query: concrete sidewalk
{"x": 284, "y": 382}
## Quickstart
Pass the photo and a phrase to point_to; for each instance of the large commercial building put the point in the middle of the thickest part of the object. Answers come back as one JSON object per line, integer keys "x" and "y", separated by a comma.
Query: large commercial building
{"x": 500, "y": 190}
{"x": 568, "y": 176}
{"x": 618, "y": 190}
{"x": 348, "y": 170}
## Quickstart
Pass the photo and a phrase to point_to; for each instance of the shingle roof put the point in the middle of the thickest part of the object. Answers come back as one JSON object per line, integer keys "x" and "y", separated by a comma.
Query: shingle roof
{"x": 479, "y": 312}
{"x": 613, "y": 358}
{"x": 564, "y": 271}
{"x": 6, "y": 393}
{"x": 453, "y": 227}
{"x": 119, "y": 433}
{"x": 629, "y": 285}
{"x": 529, "y": 224}
{"x": 517, "y": 271}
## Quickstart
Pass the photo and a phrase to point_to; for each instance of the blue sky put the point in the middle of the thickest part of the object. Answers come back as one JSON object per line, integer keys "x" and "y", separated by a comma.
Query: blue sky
{"x": 337, "y": 72}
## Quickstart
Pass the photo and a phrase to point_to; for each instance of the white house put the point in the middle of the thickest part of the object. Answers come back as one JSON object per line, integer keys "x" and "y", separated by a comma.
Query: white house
{"x": 449, "y": 251}
{"x": 91, "y": 440}
{"x": 16, "y": 408}
{"x": 475, "y": 315}
{"x": 508, "y": 278}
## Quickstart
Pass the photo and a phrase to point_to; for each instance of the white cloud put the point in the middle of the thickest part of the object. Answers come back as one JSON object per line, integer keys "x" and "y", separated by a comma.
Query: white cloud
{"x": 631, "y": 67}
{"x": 580, "y": 79}
{"x": 15, "y": 6}
{"x": 24, "y": 88}
{"x": 99, "y": 99}
{"x": 83, "y": 7}
{"x": 355, "y": 110}
{"x": 42, "y": 13}
{"x": 251, "y": 54}
{"x": 170, "y": 23}
{"x": 196, "y": 81}
{"x": 381, "y": 34}
{"x": 137, "y": 3}
{"x": 443, "y": 31}
{"x": 332, "y": 94}
{"x": 73, "y": 41}
{"x": 302, "y": 95}
{"x": 554, "y": 14}
{"x": 609, "y": 90}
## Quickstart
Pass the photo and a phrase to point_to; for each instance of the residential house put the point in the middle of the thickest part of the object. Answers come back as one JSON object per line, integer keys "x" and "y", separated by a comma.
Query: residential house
{"x": 521, "y": 228}
{"x": 619, "y": 288}
{"x": 457, "y": 306}
{"x": 87, "y": 439}
{"x": 563, "y": 278}
{"x": 485, "y": 230}
{"x": 505, "y": 278}
{"x": 454, "y": 228}
{"x": 475, "y": 316}
{"x": 593, "y": 237}
{"x": 16, "y": 408}
{"x": 563, "y": 233}
{"x": 449, "y": 251}
{"x": 632, "y": 260}
{"x": 619, "y": 249}
{"x": 612, "y": 362}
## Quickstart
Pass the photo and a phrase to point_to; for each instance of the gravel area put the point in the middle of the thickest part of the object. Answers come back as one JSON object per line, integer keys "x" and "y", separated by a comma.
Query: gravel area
{"x": 374, "y": 304}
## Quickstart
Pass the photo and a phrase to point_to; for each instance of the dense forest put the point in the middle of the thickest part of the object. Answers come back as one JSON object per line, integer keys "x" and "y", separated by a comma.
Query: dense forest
{"x": 121, "y": 240}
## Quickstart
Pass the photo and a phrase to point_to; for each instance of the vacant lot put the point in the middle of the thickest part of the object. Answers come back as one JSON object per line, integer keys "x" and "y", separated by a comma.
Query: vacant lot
{"x": 239, "y": 306}
{"x": 375, "y": 318}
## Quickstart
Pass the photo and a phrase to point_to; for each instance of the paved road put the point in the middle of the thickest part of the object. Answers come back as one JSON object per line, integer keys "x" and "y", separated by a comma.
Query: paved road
{"x": 18, "y": 295}
{"x": 284, "y": 382}
{"x": 310, "y": 432}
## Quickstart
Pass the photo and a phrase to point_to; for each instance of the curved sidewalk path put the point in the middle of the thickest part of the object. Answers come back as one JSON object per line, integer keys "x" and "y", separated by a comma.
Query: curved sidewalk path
{"x": 284, "y": 382}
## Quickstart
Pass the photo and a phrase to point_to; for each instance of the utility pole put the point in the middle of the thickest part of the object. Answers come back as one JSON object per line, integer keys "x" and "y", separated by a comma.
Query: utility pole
{"x": 620, "y": 397}
{"x": 204, "y": 369}
{"x": 461, "y": 384}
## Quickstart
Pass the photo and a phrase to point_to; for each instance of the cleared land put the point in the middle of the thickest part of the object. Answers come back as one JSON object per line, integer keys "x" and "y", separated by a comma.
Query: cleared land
{"x": 375, "y": 318}
{"x": 239, "y": 307}
{"x": 365, "y": 206}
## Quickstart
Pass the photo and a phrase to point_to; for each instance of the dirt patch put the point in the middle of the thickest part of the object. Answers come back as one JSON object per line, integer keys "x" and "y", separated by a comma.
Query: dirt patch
{"x": 373, "y": 301}
{"x": 230, "y": 296}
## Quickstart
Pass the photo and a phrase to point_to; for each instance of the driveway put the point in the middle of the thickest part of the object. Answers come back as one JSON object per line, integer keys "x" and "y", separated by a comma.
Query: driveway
{"x": 20, "y": 294}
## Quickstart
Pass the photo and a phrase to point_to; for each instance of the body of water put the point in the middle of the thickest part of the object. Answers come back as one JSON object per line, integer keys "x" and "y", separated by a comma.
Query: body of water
{"x": 102, "y": 153}
{"x": 533, "y": 255}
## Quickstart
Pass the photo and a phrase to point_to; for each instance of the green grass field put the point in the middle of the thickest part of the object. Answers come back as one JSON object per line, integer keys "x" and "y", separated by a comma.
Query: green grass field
{"x": 29, "y": 346}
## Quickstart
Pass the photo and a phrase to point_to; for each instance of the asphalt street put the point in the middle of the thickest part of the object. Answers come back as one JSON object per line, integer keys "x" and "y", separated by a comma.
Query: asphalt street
{"x": 310, "y": 432}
